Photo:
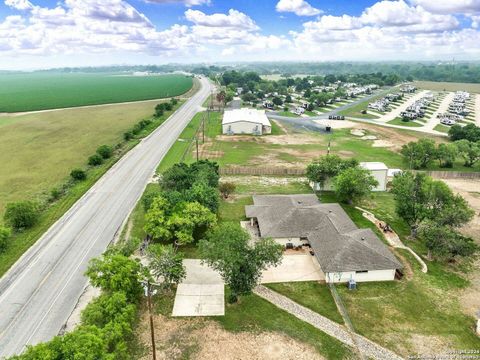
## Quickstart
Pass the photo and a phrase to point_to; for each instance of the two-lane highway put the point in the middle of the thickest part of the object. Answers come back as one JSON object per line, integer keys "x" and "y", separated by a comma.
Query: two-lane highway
{"x": 41, "y": 290}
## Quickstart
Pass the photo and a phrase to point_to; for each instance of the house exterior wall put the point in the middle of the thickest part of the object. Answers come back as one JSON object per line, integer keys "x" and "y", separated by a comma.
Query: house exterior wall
{"x": 242, "y": 127}
{"x": 381, "y": 177}
{"x": 371, "y": 275}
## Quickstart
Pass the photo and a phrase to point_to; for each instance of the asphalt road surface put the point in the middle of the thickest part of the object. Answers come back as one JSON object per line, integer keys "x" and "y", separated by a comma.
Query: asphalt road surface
{"x": 41, "y": 290}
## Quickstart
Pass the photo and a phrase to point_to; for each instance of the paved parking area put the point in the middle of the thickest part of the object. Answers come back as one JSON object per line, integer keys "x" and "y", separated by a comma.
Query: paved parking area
{"x": 201, "y": 293}
{"x": 298, "y": 267}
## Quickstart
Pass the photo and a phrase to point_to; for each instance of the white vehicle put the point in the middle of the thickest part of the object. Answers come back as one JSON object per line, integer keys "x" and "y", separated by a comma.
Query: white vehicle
{"x": 447, "y": 121}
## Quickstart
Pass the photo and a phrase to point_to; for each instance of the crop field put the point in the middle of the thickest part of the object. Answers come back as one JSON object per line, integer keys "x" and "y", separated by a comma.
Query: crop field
{"x": 39, "y": 150}
{"x": 40, "y": 91}
{"x": 448, "y": 86}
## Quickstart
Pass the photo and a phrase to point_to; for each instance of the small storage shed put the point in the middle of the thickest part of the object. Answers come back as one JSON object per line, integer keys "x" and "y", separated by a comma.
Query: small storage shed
{"x": 379, "y": 171}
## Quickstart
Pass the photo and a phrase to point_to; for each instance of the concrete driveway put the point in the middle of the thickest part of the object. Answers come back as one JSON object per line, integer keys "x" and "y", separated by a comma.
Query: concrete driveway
{"x": 298, "y": 267}
{"x": 201, "y": 293}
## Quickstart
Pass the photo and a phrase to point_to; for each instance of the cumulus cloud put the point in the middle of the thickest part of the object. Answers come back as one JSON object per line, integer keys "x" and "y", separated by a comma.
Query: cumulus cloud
{"x": 187, "y": 3}
{"x": 234, "y": 19}
{"x": 449, "y": 6}
{"x": 298, "y": 7}
{"x": 19, "y": 4}
{"x": 387, "y": 30}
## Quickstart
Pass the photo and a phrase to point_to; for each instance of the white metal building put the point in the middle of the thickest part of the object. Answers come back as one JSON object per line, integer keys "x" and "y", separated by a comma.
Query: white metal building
{"x": 379, "y": 171}
{"x": 246, "y": 121}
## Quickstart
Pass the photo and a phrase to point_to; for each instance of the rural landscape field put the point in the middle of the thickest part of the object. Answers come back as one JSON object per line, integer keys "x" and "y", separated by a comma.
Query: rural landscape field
{"x": 52, "y": 90}
{"x": 213, "y": 180}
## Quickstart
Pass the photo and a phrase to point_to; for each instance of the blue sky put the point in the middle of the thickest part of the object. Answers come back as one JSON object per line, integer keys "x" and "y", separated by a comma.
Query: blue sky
{"x": 38, "y": 34}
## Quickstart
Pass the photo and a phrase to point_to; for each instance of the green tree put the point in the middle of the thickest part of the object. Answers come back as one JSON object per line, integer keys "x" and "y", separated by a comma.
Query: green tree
{"x": 105, "y": 151}
{"x": 445, "y": 243}
{"x": 166, "y": 263}
{"x": 470, "y": 151}
{"x": 95, "y": 160}
{"x": 203, "y": 194}
{"x": 116, "y": 317}
{"x": 78, "y": 174}
{"x": 327, "y": 167}
{"x": 226, "y": 189}
{"x": 117, "y": 273}
{"x": 4, "y": 236}
{"x": 189, "y": 219}
{"x": 156, "y": 219}
{"x": 446, "y": 154}
{"x": 420, "y": 154}
{"x": 418, "y": 198}
{"x": 411, "y": 193}
{"x": 227, "y": 250}
{"x": 21, "y": 214}
{"x": 354, "y": 184}
{"x": 277, "y": 101}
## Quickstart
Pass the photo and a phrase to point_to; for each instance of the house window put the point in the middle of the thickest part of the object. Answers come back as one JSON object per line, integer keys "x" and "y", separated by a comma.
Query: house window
{"x": 361, "y": 271}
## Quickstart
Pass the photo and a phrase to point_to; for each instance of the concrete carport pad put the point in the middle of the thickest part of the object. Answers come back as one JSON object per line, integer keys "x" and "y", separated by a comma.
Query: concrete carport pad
{"x": 201, "y": 293}
{"x": 301, "y": 267}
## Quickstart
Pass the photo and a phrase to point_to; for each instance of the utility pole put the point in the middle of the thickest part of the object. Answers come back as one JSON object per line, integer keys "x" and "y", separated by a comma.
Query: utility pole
{"x": 196, "y": 141}
{"x": 203, "y": 128}
{"x": 152, "y": 331}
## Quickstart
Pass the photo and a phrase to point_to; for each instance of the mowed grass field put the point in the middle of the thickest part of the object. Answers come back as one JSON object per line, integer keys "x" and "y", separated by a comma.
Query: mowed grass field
{"x": 447, "y": 86}
{"x": 45, "y": 90}
{"x": 37, "y": 151}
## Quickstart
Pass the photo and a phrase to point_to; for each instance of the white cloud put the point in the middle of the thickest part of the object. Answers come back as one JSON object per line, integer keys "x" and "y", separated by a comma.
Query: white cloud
{"x": 449, "y": 6}
{"x": 386, "y": 30}
{"x": 19, "y": 4}
{"x": 299, "y": 7}
{"x": 187, "y": 3}
{"x": 234, "y": 19}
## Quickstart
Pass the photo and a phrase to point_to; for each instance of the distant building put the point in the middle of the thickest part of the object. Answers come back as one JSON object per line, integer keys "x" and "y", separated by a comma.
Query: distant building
{"x": 246, "y": 121}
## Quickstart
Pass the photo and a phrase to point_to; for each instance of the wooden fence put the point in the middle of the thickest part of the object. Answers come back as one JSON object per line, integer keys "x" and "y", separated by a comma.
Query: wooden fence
{"x": 261, "y": 170}
{"x": 287, "y": 171}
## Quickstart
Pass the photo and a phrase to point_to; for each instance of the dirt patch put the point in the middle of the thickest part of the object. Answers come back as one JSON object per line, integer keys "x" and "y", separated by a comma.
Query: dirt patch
{"x": 263, "y": 180}
{"x": 357, "y": 132}
{"x": 337, "y": 124}
{"x": 291, "y": 139}
{"x": 203, "y": 339}
{"x": 382, "y": 143}
{"x": 427, "y": 344}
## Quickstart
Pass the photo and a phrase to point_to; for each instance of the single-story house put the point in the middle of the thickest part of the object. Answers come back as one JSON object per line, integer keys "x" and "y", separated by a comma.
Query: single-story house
{"x": 343, "y": 251}
{"x": 377, "y": 169}
{"x": 245, "y": 121}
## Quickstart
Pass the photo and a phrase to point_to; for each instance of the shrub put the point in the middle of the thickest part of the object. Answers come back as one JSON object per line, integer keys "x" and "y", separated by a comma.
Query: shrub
{"x": 78, "y": 174}
{"x": 95, "y": 160}
{"x": 128, "y": 135}
{"x": 226, "y": 189}
{"x": 21, "y": 214}
{"x": 105, "y": 151}
{"x": 174, "y": 101}
{"x": 4, "y": 235}
{"x": 55, "y": 194}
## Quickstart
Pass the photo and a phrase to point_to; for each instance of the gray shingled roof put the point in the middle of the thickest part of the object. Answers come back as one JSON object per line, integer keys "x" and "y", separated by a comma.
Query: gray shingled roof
{"x": 337, "y": 242}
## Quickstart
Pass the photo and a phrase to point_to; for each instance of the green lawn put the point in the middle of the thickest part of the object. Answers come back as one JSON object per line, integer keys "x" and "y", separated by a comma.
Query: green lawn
{"x": 443, "y": 128}
{"x": 311, "y": 294}
{"x": 49, "y": 90}
{"x": 399, "y": 121}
